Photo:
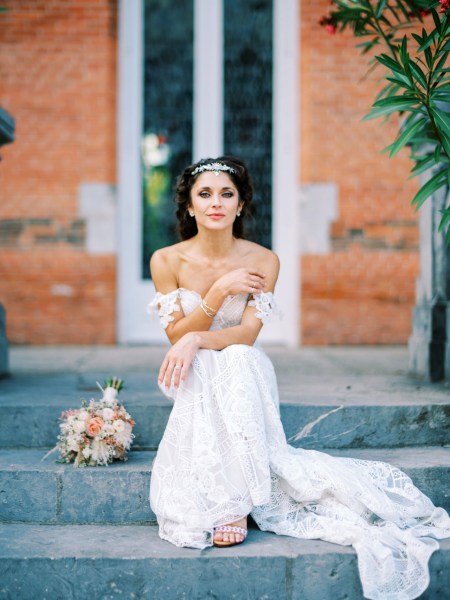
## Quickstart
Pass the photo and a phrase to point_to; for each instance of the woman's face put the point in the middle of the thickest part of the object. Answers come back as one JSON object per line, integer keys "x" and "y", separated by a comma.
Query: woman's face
{"x": 214, "y": 201}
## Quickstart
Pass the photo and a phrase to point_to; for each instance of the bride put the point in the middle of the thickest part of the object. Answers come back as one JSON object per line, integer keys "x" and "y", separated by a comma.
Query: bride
{"x": 224, "y": 454}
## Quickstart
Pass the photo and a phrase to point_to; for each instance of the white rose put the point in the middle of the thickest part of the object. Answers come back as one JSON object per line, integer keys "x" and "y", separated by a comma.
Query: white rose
{"x": 87, "y": 452}
{"x": 83, "y": 415}
{"x": 108, "y": 414}
{"x": 79, "y": 426}
{"x": 107, "y": 429}
{"x": 119, "y": 425}
{"x": 73, "y": 445}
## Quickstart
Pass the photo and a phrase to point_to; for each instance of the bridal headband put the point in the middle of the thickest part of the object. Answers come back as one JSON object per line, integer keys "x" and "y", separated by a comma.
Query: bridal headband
{"x": 216, "y": 167}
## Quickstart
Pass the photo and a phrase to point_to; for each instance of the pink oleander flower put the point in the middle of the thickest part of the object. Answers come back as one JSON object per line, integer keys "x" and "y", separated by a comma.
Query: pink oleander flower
{"x": 445, "y": 5}
{"x": 423, "y": 12}
{"x": 329, "y": 24}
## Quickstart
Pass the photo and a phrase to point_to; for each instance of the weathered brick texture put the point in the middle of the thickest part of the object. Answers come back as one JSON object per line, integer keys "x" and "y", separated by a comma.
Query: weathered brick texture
{"x": 363, "y": 291}
{"x": 58, "y": 80}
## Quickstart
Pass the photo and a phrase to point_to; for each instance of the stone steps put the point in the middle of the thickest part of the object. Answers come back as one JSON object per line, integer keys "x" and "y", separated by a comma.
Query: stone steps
{"x": 342, "y": 419}
{"x": 47, "y": 492}
{"x": 74, "y": 534}
{"x": 76, "y": 562}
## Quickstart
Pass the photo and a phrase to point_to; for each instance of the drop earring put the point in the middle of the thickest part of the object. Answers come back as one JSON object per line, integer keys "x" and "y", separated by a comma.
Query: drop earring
{"x": 191, "y": 213}
{"x": 238, "y": 214}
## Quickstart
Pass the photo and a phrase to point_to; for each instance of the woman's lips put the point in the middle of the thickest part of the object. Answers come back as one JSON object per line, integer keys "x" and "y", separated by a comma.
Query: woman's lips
{"x": 216, "y": 216}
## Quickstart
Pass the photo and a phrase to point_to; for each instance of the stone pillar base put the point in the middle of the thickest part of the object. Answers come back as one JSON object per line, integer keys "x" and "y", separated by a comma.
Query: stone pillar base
{"x": 4, "y": 356}
{"x": 429, "y": 350}
{"x": 429, "y": 344}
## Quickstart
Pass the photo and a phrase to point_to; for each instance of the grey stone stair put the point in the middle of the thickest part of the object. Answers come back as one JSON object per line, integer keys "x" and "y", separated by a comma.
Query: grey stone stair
{"x": 79, "y": 534}
{"x": 76, "y": 562}
{"x": 341, "y": 419}
{"x": 47, "y": 492}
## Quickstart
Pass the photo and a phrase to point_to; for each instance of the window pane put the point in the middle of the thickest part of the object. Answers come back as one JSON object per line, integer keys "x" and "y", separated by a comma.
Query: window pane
{"x": 167, "y": 120}
{"x": 248, "y": 101}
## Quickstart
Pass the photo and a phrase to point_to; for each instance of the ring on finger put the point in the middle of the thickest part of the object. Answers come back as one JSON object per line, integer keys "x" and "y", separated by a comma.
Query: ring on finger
{"x": 177, "y": 367}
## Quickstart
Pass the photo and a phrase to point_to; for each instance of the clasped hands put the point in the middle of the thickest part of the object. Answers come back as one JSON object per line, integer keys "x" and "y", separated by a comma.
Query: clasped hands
{"x": 178, "y": 359}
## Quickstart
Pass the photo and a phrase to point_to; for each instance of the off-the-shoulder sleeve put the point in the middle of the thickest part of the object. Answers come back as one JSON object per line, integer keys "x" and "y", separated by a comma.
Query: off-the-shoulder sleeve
{"x": 265, "y": 305}
{"x": 164, "y": 305}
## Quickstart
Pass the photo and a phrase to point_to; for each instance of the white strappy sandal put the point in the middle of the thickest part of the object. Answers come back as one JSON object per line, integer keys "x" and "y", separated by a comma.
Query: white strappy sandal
{"x": 229, "y": 529}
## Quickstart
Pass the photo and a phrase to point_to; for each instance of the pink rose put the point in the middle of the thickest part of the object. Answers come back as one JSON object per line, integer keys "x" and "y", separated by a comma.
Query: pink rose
{"x": 94, "y": 426}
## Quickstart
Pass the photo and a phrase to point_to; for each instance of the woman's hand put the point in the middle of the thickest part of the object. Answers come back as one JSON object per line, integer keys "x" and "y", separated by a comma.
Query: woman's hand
{"x": 178, "y": 360}
{"x": 241, "y": 281}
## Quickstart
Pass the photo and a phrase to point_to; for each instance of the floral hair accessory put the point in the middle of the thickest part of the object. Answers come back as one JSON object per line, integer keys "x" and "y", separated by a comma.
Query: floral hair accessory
{"x": 98, "y": 432}
{"x": 215, "y": 167}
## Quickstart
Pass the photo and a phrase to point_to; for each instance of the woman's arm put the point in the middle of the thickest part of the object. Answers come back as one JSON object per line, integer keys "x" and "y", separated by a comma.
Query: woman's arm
{"x": 238, "y": 281}
{"x": 178, "y": 359}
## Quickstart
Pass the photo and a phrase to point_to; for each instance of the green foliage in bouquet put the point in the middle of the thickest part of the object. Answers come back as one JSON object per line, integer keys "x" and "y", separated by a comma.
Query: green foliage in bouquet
{"x": 113, "y": 382}
{"x": 418, "y": 81}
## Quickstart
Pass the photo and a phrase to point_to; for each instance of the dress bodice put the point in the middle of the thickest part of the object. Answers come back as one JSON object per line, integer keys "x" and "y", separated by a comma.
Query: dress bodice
{"x": 228, "y": 315}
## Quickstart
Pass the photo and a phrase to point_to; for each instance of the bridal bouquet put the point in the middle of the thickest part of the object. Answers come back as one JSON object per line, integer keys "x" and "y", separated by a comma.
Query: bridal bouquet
{"x": 98, "y": 432}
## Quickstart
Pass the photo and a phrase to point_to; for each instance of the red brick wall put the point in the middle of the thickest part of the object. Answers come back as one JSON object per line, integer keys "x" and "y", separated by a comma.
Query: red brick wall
{"x": 58, "y": 80}
{"x": 363, "y": 291}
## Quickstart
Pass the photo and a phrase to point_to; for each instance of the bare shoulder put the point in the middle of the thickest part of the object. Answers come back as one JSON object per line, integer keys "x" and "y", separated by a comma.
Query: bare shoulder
{"x": 261, "y": 257}
{"x": 164, "y": 267}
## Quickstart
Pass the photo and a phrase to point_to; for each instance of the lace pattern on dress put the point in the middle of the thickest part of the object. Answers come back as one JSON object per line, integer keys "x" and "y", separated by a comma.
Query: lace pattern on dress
{"x": 228, "y": 315}
{"x": 164, "y": 305}
{"x": 265, "y": 306}
{"x": 224, "y": 455}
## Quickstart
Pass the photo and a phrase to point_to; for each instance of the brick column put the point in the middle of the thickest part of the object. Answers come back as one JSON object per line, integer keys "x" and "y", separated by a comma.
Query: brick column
{"x": 429, "y": 344}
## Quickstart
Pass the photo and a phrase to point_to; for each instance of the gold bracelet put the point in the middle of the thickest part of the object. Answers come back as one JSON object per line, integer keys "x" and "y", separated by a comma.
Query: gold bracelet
{"x": 209, "y": 312}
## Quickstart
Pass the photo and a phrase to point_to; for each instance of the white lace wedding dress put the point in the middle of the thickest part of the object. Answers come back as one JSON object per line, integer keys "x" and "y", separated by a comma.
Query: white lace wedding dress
{"x": 224, "y": 455}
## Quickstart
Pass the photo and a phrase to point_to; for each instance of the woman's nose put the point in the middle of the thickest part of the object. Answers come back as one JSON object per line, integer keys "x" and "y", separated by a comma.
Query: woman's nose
{"x": 216, "y": 200}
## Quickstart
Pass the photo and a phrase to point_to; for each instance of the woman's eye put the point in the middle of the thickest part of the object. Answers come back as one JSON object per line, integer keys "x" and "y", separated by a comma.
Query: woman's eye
{"x": 228, "y": 194}
{"x": 204, "y": 194}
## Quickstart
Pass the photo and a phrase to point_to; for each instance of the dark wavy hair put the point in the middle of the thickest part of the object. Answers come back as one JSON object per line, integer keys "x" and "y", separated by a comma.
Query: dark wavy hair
{"x": 187, "y": 226}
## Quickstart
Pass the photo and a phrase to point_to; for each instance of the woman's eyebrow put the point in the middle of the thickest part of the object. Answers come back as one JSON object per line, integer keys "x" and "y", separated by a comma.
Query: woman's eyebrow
{"x": 207, "y": 188}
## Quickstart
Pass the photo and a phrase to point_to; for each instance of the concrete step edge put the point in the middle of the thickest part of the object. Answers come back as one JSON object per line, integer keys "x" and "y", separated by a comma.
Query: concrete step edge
{"x": 85, "y": 561}
{"x": 47, "y": 492}
{"x": 307, "y": 426}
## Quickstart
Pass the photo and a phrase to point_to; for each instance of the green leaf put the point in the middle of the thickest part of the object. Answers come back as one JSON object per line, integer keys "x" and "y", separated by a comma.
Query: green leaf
{"x": 386, "y": 106}
{"x": 403, "y": 51}
{"x": 365, "y": 44}
{"x": 437, "y": 20}
{"x": 390, "y": 63}
{"x": 394, "y": 12}
{"x": 445, "y": 218}
{"x": 401, "y": 83}
{"x": 394, "y": 100}
{"x": 440, "y": 95}
{"x": 440, "y": 67}
{"x": 387, "y": 91}
{"x": 422, "y": 165}
{"x": 429, "y": 57}
{"x": 380, "y": 7}
{"x": 405, "y": 136}
{"x": 432, "y": 36}
{"x": 437, "y": 154}
{"x": 442, "y": 121}
{"x": 429, "y": 188}
{"x": 419, "y": 39}
{"x": 419, "y": 74}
